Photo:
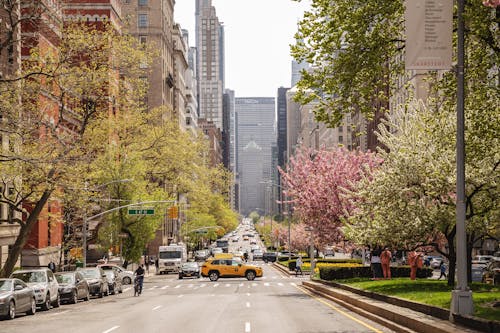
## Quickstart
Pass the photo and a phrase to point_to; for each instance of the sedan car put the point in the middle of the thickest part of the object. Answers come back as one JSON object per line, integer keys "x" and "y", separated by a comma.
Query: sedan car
{"x": 257, "y": 254}
{"x": 189, "y": 269}
{"x": 44, "y": 284}
{"x": 201, "y": 255}
{"x": 16, "y": 296}
{"x": 491, "y": 273}
{"x": 114, "y": 282}
{"x": 72, "y": 287}
{"x": 98, "y": 283}
{"x": 126, "y": 276}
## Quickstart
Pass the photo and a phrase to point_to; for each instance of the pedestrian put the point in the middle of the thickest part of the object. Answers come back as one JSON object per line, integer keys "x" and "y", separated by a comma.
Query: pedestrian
{"x": 415, "y": 261}
{"x": 52, "y": 266}
{"x": 298, "y": 266}
{"x": 375, "y": 263}
{"x": 146, "y": 262}
{"x": 157, "y": 265}
{"x": 245, "y": 256}
{"x": 442, "y": 270}
{"x": 385, "y": 260}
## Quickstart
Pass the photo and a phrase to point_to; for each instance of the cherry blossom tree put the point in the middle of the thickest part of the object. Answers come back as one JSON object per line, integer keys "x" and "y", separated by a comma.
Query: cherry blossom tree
{"x": 316, "y": 182}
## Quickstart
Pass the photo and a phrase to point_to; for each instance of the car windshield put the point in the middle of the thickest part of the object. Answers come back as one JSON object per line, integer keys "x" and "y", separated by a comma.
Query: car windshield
{"x": 190, "y": 265}
{"x": 30, "y": 277}
{"x": 170, "y": 255}
{"x": 90, "y": 273}
{"x": 65, "y": 278}
{"x": 5, "y": 285}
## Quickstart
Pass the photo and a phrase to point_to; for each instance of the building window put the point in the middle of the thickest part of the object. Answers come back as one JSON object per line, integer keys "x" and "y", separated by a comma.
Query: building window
{"x": 143, "y": 40}
{"x": 143, "y": 20}
{"x": 188, "y": 121}
{"x": 341, "y": 139}
{"x": 143, "y": 2}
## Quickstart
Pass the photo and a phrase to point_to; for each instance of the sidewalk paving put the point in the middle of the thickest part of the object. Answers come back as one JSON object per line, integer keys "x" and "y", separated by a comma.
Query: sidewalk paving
{"x": 397, "y": 318}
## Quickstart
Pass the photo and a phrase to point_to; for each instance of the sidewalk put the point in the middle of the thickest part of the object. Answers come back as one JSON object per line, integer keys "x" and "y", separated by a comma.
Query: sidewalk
{"x": 394, "y": 316}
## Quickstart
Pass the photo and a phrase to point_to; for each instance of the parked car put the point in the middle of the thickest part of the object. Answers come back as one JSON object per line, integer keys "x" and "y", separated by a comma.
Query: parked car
{"x": 114, "y": 281}
{"x": 16, "y": 296}
{"x": 227, "y": 268}
{"x": 436, "y": 261}
{"x": 72, "y": 287}
{"x": 189, "y": 269}
{"x": 269, "y": 256}
{"x": 98, "y": 283}
{"x": 485, "y": 258}
{"x": 257, "y": 254}
{"x": 491, "y": 273}
{"x": 201, "y": 255}
{"x": 477, "y": 270}
{"x": 44, "y": 284}
{"x": 126, "y": 276}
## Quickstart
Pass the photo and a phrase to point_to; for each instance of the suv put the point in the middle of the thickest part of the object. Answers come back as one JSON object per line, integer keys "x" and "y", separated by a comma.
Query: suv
{"x": 269, "y": 256}
{"x": 215, "y": 268}
{"x": 44, "y": 284}
{"x": 97, "y": 280}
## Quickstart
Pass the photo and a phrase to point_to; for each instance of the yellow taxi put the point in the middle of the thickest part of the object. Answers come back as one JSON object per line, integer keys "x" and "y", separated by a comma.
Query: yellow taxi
{"x": 215, "y": 268}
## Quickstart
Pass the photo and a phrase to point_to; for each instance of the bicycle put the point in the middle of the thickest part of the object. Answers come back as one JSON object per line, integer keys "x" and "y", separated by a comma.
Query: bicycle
{"x": 138, "y": 285}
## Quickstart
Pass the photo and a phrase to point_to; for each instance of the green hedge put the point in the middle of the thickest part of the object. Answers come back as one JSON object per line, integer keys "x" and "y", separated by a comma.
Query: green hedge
{"x": 339, "y": 273}
{"x": 292, "y": 263}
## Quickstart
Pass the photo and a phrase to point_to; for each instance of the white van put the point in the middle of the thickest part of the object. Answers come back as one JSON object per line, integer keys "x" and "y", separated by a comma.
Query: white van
{"x": 171, "y": 257}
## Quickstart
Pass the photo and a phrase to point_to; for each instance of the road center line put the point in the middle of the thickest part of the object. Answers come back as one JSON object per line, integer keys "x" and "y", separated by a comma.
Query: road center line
{"x": 248, "y": 294}
{"x": 248, "y": 304}
{"x": 111, "y": 329}
{"x": 156, "y": 307}
{"x": 247, "y": 327}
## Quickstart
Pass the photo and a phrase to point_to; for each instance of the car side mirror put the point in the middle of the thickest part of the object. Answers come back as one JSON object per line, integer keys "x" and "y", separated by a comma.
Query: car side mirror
{"x": 18, "y": 287}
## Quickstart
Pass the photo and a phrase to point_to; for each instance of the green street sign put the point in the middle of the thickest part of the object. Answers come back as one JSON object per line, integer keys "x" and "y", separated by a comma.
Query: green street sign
{"x": 143, "y": 211}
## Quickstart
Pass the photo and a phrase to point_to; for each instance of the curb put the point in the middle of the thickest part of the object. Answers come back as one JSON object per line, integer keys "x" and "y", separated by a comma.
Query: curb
{"x": 394, "y": 317}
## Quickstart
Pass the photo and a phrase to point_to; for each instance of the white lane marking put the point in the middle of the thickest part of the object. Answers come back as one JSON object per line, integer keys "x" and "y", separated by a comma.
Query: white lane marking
{"x": 60, "y": 313}
{"x": 153, "y": 287}
{"x": 228, "y": 285}
{"x": 248, "y": 286}
{"x": 248, "y": 294}
{"x": 111, "y": 329}
{"x": 241, "y": 284}
{"x": 248, "y": 304}
{"x": 164, "y": 287}
{"x": 216, "y": 285}
{"x": 293, "y": 284}
{"x": 180, "y": 296}
{"x": 156, "y": 307}
{"x": 202, "y": 285}
{"x": 266, "y": 284}
{"x": 247, "y": 327}
{"x": 190, "y": 285}
{"x": 280, "y": 284}
{"x": 177, "y": 286}
{"x": 212, "y": 294}
{"x": 254, "y": 284}
{"x": 127, "y": 289}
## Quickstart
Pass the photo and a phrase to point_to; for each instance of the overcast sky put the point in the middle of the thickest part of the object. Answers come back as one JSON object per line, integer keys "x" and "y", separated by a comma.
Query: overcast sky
{"x": 258, "y": 34}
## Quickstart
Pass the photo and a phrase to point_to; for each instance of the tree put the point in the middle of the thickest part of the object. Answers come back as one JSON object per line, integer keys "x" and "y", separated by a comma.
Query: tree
{"x": 410, "y": 200}
{"x": 50, "y": 118}
{"x": 355, "y": 47}
{"x": 316, "y": 182}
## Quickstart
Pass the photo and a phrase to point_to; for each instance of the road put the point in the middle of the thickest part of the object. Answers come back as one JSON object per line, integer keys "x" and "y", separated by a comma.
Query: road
{"x": 274, "y": 303}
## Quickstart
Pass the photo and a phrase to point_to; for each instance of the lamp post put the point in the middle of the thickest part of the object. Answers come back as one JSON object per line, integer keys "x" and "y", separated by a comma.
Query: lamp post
{"x": 85, "y": 219}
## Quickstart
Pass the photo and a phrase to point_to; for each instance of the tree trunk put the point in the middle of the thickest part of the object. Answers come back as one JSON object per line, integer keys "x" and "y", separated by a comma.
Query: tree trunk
{"x": 24, "y": 233}
{"x": 452, "y": 259}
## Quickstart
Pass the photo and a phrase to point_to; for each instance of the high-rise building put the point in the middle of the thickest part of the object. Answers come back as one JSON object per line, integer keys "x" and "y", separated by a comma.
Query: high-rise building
{"x": 256, "y": 135}
{"x": 152, "y": 21}
{"x": 210, "y": 62}
{"x": 297, "y": 67}
{"x": 229, "y": 140}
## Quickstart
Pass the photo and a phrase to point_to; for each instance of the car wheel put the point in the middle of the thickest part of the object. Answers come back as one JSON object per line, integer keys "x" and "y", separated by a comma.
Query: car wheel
{"x": 32, "y": 310}
{"x": 46, "y": 304}
{"x": 74, "y": 300}
{"x": 57, "y": 302}
{"x": 250, "y": 275}
{"x": 127, "y": 280}
{"x": 213, "y": 275}
{"x": 11, "y": 314}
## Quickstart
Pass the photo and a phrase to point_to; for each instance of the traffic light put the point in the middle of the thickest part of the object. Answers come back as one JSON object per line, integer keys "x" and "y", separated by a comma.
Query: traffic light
{"x": 173, "y": 212}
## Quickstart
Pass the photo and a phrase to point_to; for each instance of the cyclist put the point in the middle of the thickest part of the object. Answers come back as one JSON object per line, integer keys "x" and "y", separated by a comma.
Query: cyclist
{"x": 139, "y": 279}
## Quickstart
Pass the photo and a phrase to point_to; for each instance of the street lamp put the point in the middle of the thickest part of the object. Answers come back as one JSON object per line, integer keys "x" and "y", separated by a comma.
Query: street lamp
{"x": 85, "y": 219}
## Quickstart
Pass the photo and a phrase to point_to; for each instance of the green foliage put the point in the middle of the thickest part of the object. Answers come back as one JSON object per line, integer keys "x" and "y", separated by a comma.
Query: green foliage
{"x": 339, "y": 273}
{"x": 254, "y": 216}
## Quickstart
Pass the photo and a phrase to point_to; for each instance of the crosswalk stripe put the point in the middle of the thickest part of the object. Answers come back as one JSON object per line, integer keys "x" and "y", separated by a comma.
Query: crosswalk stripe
{"x": 266, "y": 284}
{"x": 216, "y": 285}
{"x": 164, "y": 287}
{"x": 177, "y": 286}
{"x": 228, "y": 285}
{"x": 280, "y": 284}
